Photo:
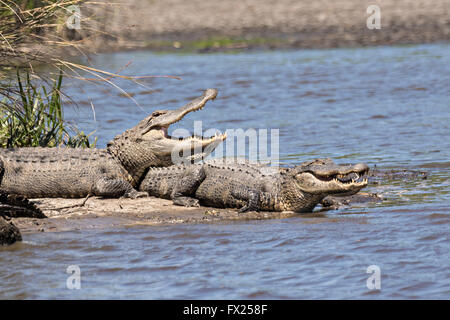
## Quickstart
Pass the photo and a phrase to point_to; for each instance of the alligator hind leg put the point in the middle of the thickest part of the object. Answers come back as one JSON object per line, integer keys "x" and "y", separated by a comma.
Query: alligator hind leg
{"x": 186, "y": 187}
{"x": 115, "y": 188}
{"x": 245, "y": 194}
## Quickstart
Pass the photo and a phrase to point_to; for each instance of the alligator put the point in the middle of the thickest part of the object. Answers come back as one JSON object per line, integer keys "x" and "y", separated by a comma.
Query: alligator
{"x": 9, "y": 233}
{"x": 111, "y": 172}
{"x": 15, "y": 206}
{"x": 254, "y": 187}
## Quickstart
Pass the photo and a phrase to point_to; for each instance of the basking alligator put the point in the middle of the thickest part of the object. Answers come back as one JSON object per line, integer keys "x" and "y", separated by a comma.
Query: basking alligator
{"x": 255, "y": 187}
{"x": 15, "y": 206}
{"x": 111, "y": 172}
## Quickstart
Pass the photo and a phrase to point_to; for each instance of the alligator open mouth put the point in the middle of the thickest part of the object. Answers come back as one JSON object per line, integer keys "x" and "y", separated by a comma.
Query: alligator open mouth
{"x": 194, "y": 138}
{"x": 326, "y": 170}
{"x": 323, "y": 175}
{"x": 155, "y": 131}
{"x": 356, "y": 177}
{"x": 161, "y": 120}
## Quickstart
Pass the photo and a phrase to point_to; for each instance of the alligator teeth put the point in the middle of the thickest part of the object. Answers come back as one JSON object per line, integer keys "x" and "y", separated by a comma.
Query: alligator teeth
{"x": 216, "y": 136}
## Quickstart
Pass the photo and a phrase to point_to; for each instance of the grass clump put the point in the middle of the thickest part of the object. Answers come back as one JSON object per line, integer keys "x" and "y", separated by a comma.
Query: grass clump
{"x": 37, "y": 33}
{"x": 33, "y": 117}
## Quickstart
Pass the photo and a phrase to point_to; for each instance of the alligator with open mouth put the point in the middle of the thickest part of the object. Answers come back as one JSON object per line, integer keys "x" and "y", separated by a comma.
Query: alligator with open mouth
{"x": 112, "y": 172}
{"x": 253, "y": 187}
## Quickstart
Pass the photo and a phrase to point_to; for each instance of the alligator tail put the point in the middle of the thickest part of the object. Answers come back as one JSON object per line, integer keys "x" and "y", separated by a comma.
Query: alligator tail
{"x": 17, "y": 206}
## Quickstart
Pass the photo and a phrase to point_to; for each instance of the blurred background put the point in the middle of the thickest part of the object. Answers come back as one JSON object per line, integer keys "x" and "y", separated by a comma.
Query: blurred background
{"x": 233, "y": 24}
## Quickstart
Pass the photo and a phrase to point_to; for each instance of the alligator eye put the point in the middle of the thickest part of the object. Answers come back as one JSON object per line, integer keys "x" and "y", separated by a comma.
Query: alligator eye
{"x": 158, "y": 113}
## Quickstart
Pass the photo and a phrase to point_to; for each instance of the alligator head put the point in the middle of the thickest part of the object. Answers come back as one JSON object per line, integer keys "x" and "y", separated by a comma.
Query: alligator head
{"x": 304, "y": 186}
{"x": 148, "y": 143}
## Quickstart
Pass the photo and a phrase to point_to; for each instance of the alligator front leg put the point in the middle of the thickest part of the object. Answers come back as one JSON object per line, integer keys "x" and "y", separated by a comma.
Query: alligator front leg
{"x": 186, "y": 187}
{"x": 114, "y": 188}
{"x": 251, "y": 196}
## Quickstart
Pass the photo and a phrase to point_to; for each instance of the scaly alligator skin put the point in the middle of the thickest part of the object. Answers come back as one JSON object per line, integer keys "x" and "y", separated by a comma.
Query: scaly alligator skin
{"x": 9, "y": 233}
{"x": 14, "y": 206}
{"x": 17, "y": 206}
{"x": 254, "y": 187}
{"x": 111, "y": 172}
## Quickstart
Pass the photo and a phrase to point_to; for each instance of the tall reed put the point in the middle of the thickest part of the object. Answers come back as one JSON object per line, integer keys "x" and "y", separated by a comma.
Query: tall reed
{"x": 33, "y": 117}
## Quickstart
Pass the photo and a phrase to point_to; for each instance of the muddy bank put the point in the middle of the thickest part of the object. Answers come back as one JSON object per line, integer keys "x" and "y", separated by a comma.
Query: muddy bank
{"x": 71, "y": 214}
{"x": 96, "y": 213}
{"x": 218, "y": 25}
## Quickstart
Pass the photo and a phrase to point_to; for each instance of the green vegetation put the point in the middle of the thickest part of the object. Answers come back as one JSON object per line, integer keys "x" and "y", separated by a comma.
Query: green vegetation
{"x": 227, "y": 44}
{"x": 232, "y": 43}
{"x": 31, "y": 111}
{"x": 33, "y": 117}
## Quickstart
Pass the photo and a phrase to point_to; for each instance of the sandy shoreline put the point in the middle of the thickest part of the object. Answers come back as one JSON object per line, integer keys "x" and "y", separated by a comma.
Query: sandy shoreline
{"x": 215, "y": 24}
{"x": 98, "y": 213}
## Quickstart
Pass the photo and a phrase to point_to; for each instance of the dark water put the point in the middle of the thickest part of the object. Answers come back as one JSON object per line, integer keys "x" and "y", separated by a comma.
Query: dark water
{"x": 386, "y": 106}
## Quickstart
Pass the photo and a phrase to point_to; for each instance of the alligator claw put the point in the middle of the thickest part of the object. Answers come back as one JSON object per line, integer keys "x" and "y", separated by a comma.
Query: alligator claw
{"x": 244, "y": 209}
{"x": 136, "y": 194}
{"x": 192, "y": 203}
{"x": 186, "y": 202}
{"x": 247, "y": 208}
